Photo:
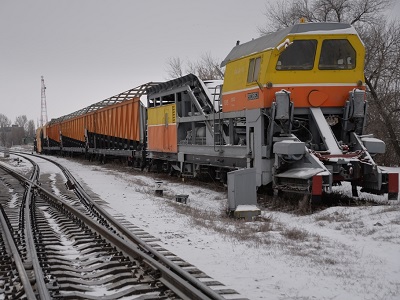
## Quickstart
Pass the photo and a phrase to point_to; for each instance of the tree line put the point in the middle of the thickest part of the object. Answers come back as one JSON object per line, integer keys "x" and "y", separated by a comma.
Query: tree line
{"x": 9, "y": 137}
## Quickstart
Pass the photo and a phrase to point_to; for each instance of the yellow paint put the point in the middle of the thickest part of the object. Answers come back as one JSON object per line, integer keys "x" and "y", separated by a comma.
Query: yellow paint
{"x": 236, "y": 71}
{"x": 315, "y": 75}
{"x": 161, "y": 115}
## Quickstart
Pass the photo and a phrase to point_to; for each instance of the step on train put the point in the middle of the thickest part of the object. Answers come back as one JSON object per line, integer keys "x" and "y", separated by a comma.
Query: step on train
{"x": 291, "y": 109}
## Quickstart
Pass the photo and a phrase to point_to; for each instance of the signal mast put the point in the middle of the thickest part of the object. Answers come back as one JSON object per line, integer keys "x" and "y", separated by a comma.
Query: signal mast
{"x": 43, "y": 116}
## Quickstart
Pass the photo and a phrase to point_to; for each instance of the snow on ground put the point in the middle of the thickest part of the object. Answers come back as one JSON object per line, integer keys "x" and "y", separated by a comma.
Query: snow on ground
{"x": 337, "y": 253}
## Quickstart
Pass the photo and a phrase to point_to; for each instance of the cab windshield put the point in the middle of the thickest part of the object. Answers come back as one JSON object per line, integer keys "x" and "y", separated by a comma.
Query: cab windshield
{"x": 336, "y": 55}
{"x": 300, "y": 55}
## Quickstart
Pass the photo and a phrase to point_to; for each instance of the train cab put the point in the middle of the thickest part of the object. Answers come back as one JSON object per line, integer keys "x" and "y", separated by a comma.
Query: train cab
{"x": 318, "y": 63}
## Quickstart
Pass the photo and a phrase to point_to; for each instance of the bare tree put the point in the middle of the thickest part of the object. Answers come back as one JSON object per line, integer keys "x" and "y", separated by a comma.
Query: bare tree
{"x": 4, "y": 122}
{"x": 382, "y": 77}
{"x": 174, "y": 67}
{"x": 356, "y": 12}
{"x": 22, "y": 121}
{"x": 191, "y": 67}
{"x": 31, "y": 128}
{"x": 286, "y": 13}
{"x": 207, "y": 67}
{"x": 382, "y": 42}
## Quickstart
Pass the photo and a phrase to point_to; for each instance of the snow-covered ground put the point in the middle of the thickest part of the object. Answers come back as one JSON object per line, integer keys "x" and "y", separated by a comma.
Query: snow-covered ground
{"x": 337, "y": 253}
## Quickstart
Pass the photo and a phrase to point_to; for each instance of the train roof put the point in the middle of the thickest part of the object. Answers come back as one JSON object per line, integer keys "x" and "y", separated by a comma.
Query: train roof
{"x": 136, "y": 92}
{"x": 271, "y": 40}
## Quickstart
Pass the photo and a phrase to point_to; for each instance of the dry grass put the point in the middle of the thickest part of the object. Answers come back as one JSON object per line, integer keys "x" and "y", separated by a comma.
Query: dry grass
{"x": 295, "y": 234}
{"x": 377, "y": 223}
{"x": 396, "y": 221}
{"x": 254, "y": 234}
{"x": 329, "y": 261}
{"x": 264, "y": 232}
{"x": 334, "y": 217}
{"x": 388, "y": 209}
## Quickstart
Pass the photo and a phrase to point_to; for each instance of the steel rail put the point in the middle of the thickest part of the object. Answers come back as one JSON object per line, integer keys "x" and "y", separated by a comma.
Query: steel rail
{"x": 177, "y": 284}
{"x": 172, "y": 276}
{"x": 154, "y": 253}
{"x": 206, "y": 290}
{"x": 29, "y": 293}
{"x": 40, "y": 282}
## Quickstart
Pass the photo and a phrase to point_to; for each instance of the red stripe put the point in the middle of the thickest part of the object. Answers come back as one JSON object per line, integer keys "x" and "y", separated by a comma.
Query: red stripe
{"x": 393, "y": 183}
{"x": 317, "y": 186}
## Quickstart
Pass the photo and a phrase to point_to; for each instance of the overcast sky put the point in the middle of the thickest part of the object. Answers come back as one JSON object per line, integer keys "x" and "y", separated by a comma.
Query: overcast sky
{"x": 89, "y": 50}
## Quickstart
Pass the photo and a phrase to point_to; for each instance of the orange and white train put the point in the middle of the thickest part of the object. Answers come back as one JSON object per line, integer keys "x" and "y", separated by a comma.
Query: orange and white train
{"x": 291, "y": 112}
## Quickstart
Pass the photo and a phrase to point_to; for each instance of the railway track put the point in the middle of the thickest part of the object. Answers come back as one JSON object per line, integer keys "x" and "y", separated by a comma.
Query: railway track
{"x": 15, "y": 281}
{"x": 71, "y": 248}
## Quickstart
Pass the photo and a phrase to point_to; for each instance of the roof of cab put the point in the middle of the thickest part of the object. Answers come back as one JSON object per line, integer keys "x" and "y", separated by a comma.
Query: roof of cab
{"x": 271, "y": 40}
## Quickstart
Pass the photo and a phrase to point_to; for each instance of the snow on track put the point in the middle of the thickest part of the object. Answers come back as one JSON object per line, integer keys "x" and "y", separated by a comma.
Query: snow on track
{"x": 338, "y": 253}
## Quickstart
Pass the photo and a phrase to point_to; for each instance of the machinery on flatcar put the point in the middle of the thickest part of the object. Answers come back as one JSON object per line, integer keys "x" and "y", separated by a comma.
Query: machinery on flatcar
{"x": 292, "y": 108}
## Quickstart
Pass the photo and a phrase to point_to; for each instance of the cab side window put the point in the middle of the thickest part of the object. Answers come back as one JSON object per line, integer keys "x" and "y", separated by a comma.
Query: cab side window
{"x": 254, "y": 69}
{"x": 299, "y": 55}
{"x": 337, "y": 55}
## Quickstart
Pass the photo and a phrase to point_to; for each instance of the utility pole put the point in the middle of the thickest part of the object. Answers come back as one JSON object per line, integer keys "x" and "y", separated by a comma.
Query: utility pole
{"x": 43, "y": 116}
